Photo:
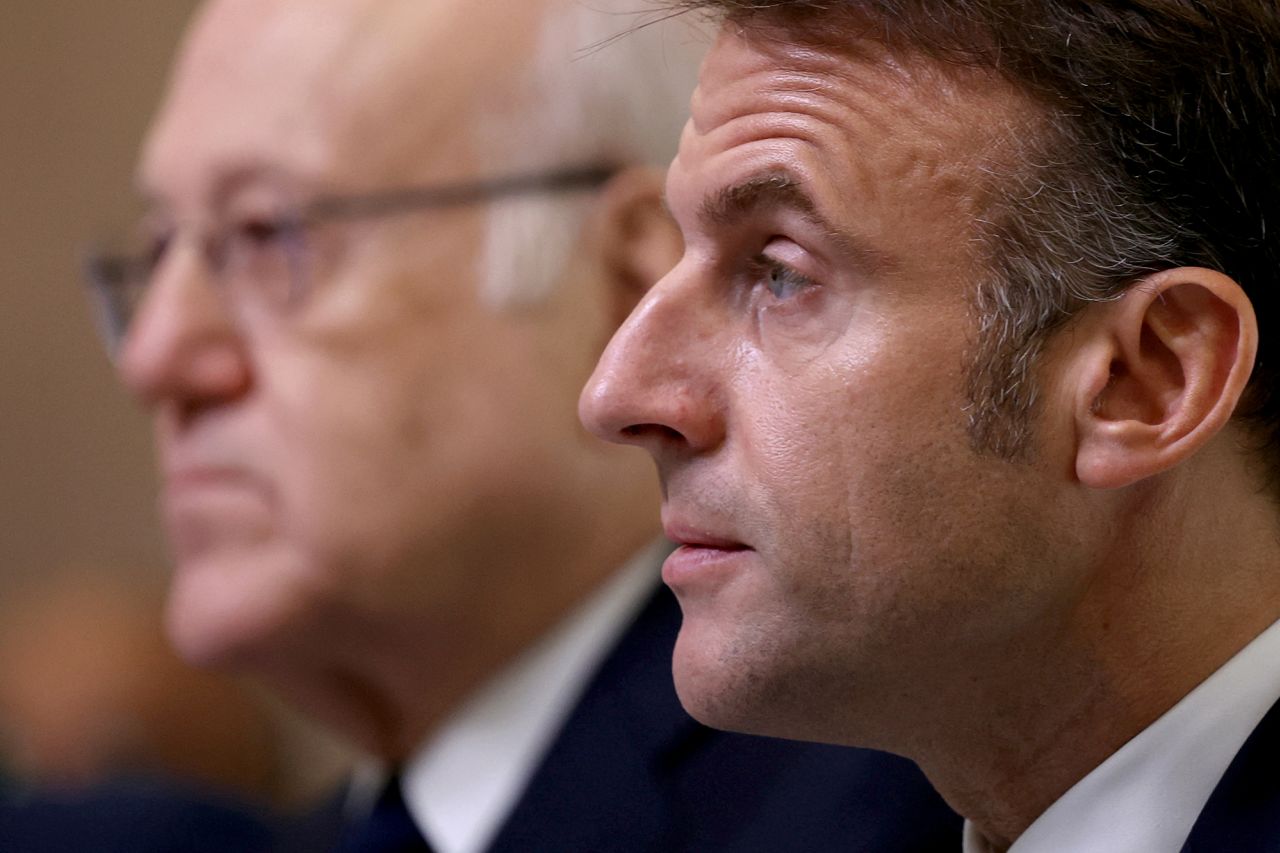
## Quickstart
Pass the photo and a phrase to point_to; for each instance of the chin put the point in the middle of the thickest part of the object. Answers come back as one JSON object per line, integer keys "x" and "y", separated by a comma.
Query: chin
{"x": 715, "y": 689}
{"x": 748, "y": 683}
{"x": 227, "y": 612}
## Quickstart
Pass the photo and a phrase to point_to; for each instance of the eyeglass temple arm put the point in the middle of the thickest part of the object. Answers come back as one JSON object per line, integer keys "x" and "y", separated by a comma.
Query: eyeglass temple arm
{"x": 424, "y": 198}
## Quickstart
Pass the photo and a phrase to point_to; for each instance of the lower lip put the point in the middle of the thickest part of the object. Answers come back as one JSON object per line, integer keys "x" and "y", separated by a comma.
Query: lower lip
{"x": 691, "y": 565}
{"x": 207, "y": 510}
{"x": 212, "y": 486}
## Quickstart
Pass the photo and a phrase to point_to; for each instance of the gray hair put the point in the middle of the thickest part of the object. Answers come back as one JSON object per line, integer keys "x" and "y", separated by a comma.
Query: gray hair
{"x": 607, "y": 84}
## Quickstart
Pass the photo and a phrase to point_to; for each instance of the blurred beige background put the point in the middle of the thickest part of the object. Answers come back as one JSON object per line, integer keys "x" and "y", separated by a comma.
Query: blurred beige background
{"x": 78, "y": 80}
{"x": 88, "y": 685}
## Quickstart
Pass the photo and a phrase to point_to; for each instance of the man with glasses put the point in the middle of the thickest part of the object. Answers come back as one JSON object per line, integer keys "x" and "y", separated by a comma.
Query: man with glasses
{"x": 383, "y": 242}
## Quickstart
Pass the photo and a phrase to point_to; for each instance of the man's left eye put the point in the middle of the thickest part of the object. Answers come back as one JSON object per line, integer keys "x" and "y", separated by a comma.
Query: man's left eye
{"x": 783, "y": 281}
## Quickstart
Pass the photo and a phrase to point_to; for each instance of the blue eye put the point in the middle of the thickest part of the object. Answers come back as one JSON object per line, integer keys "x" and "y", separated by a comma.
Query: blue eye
{"x": 782, "y": 281}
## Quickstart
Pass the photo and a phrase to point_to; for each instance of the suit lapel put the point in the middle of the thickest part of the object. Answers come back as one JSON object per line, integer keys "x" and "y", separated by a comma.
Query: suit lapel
{"x": 631, "y": 772}
{"x": 605, "y": 782}
{"x": 1243, "y": 814}
{"x": 318, "y": 829}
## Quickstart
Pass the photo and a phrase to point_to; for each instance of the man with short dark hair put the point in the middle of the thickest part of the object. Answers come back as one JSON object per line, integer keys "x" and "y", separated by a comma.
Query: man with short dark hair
{"x": 964, "y": 399}
{"x": 385, "y": 242}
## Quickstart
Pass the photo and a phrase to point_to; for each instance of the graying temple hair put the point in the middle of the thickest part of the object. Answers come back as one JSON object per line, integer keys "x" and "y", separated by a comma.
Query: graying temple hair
{"x": 1063, "y": 231}
{"x": 609, "y": 83}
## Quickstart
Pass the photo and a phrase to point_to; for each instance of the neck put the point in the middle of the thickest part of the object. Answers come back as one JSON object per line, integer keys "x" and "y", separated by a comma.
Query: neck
{"x": 386, "y": 681}
{"x": 1158, "y": 616}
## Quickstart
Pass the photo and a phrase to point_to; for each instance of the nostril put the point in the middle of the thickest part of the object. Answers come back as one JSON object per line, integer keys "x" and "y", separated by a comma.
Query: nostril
{"x": 660, "y": 431}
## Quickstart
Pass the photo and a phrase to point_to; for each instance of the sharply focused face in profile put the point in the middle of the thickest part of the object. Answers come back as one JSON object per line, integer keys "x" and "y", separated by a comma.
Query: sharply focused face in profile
{"x": 799, "y": 379}
{"x": 347, "y": 431}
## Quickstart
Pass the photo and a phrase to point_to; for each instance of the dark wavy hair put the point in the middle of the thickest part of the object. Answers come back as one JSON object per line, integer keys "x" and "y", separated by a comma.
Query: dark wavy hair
{"x": 1159, "y": 147}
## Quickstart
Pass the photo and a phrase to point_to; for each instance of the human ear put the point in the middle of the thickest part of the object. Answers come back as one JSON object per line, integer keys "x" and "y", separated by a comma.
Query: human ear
{"x": 639, "y": 242}
{"x": 1163, "y": 369}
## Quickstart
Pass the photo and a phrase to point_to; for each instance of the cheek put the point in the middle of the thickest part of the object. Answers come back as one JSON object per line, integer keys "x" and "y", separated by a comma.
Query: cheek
{"x": 809, "y": 432}
{"x": 385, "y": 453}
{"x": 346, "y": 431}
{"x": 796, "y": 469}
{"x": 858, "y": 451}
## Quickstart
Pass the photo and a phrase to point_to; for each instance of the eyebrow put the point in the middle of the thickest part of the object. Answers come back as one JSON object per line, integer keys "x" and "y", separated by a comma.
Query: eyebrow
{"x": 778, "y": 189}
{"x": 227, "y": 181}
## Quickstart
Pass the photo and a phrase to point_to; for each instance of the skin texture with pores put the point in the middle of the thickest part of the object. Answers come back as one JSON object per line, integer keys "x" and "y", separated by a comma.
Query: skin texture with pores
{"x": 851, "y": 570}
{"x": 818, "y": 390}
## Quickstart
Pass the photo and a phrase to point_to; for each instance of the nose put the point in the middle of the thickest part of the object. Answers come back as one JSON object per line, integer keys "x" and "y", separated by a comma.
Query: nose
{"x": 182, "y": 346}
{"x": 657, "y": 385}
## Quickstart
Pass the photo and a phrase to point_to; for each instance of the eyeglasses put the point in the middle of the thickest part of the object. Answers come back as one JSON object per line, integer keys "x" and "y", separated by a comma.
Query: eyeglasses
{"x": 262, "y": 262}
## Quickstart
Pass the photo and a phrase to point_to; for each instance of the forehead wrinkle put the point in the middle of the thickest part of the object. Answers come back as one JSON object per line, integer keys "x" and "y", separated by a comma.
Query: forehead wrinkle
{"x": 846, "y": 101}
{"x": 808, "y": 93}
{"x": 855, "y": 76}
{"x": 756, "y": 97}
{"x": 806, "y": 74}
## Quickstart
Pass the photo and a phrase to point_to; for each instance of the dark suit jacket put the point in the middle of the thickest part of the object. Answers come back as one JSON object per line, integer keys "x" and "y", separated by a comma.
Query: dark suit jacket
{"x": 1243, "y": 814}
{"x": 630, "y": 772}
{"x": 132, "y": 816}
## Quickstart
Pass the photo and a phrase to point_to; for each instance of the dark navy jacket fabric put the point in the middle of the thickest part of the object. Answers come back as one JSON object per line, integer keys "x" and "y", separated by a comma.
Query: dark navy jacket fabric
{"x": 631, "y": 772}
{"x": 1243, "y": 814}
{"x": 132, "y": 816}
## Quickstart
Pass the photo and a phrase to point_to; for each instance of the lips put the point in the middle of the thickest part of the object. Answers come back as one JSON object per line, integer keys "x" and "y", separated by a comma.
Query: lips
{"x": 684, "y": 532}
{"x": 198, "y": 477}
{"x": 209, "y": 508}
{"x": 703, "y": 556}
{"x": 213, "y": 490}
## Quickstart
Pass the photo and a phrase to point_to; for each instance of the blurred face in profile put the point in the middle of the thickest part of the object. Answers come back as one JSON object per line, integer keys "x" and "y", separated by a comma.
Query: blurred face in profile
{"x": 353, "y": 444}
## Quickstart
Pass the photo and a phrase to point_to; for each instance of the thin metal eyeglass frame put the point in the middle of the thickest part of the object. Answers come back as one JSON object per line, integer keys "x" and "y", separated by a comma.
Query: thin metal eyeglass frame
{"x": 108, "y": 274}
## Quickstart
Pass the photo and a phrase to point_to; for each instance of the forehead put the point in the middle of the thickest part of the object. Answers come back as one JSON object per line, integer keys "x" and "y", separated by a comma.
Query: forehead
{"x": 857, "y": 74}
{"x": 873, "y": 135}
{"x": 337, "y": 91}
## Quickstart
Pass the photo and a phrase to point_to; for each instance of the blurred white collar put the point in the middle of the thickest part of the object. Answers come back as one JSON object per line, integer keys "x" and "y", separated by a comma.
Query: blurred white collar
{"x": 463, "y": 783}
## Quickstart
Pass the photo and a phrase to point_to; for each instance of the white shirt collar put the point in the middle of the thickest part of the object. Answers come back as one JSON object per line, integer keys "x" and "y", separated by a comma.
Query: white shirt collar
{"x": 1146, "y": 796}
{"x": 463, "y": 783}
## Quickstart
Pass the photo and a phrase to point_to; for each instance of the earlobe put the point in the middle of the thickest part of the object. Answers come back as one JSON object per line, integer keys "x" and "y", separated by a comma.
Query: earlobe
{"x": 1161, "y": 374}
{"x": 639, "y": 241}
